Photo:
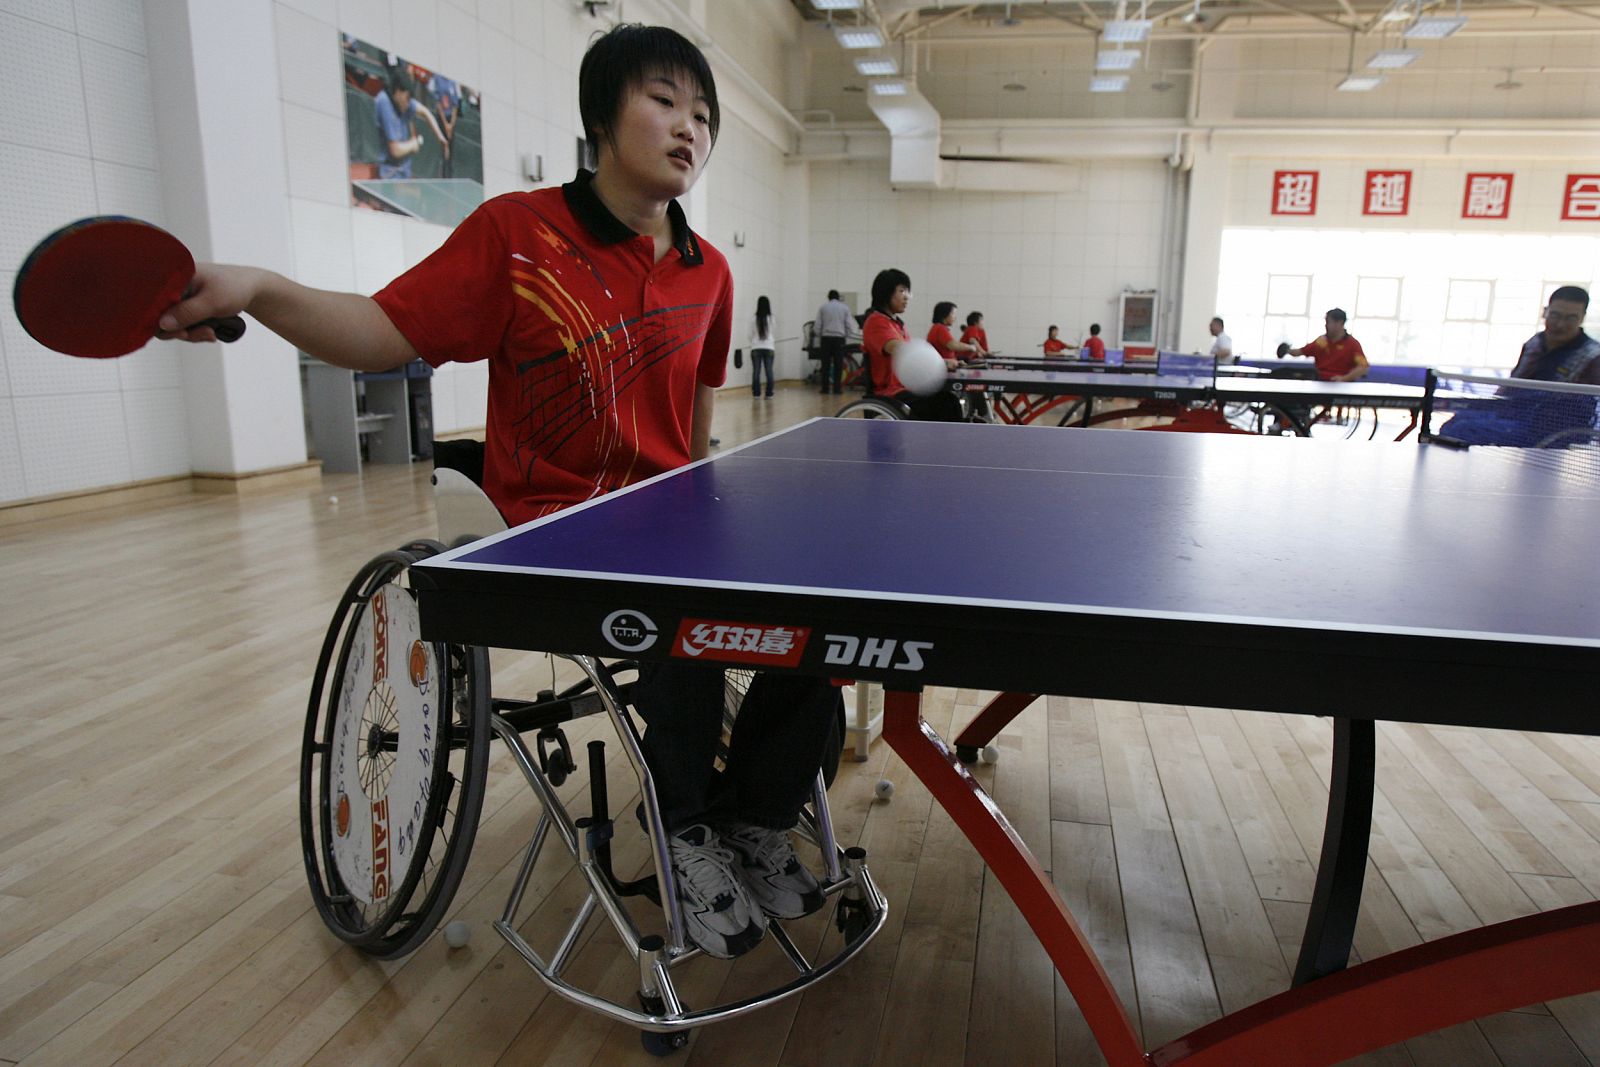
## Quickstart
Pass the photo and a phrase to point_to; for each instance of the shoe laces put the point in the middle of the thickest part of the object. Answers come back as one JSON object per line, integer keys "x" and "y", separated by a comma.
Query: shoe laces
{"x": 706, "y": 868}
{"x": 773, "y": 849}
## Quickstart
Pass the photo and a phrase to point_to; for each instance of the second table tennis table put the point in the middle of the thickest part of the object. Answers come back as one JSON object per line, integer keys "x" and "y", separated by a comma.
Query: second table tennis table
{"x": 823, "y": 549}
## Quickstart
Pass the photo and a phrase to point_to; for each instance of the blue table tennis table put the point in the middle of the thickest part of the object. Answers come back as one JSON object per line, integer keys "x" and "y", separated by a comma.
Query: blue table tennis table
{"x": 1168, "y": 394}
{"x": 823, "y": 549}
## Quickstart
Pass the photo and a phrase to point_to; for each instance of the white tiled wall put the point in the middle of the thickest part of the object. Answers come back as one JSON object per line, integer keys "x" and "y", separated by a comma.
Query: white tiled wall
{"x": 78, "y": 140}
{"x": 1026, "y": 260}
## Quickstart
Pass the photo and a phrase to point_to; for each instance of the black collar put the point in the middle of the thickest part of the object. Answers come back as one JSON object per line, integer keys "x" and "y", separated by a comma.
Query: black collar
{"x": 608, "y": 229}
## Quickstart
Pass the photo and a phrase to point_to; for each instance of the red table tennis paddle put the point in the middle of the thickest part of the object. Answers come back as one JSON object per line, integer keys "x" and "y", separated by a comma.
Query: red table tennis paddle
{"x": 97, "y": 287}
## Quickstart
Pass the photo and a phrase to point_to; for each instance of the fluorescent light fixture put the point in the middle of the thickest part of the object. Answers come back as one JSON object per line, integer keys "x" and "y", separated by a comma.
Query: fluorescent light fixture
{"x": 1394, "y": 58}
{"x": 858, "y": 36}
{"x": 1116, "y": 59}
{"x": 1125, "y": 31}
{"x": 876, "y": 66}
{"x": 1108, "y": 83}
{"x": 892, "y": 87}
{"x": 1434, "y": 27}
{"x": 1360, "y": 83}
{"x": 836, "y": 5}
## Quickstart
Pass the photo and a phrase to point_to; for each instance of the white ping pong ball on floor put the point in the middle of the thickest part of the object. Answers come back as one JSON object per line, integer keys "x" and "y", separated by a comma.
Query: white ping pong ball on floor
{"x": 457, "y": 934}
{"x": 919, "y": 367}
{"x": 884, "y": 789}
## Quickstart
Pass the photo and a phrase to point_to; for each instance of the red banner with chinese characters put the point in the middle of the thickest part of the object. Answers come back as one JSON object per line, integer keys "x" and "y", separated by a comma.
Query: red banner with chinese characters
{"x": 1294, "y": 192}
{"x": 1581, "y": 202}
{"x": 1387, "y": 192}
{"x": 1487, "y": 196}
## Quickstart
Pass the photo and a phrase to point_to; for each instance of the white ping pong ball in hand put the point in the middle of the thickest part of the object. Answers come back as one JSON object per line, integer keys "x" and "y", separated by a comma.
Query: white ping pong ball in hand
{"x": 919, "y": 367}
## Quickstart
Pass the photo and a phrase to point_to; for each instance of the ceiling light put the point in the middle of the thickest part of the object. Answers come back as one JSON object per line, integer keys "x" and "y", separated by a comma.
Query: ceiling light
{"x": 858, "y": 36}
{"x": 1394, "y": 58}
{"x": 895, "y": 87}
{"x": 1108, "y": 83}
{"x": 836, "y": 5}
{"x": 1360, "y": 83}
{"x": 876, "y": 66}
{"x": 1434, "y": 27}
{"x": 1126, "y": 31}
{"x": 1116, "y": 59}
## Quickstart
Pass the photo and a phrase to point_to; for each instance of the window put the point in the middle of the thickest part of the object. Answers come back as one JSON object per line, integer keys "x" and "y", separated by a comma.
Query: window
{"x": 1288, "y": 294}
{"x": 1469, "y": 300}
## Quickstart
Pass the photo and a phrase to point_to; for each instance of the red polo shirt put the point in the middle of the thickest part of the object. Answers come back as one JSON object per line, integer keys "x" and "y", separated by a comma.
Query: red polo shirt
{"x": 976, "y": 333}
{"x": 877, "y": 331}
{"x": 1094, "y": 348}
{"x": 1053, "y": 345}
{"x": 1335, "y": 358}
{"x": 939, "y": 337}
{"x": 594, "y": 348}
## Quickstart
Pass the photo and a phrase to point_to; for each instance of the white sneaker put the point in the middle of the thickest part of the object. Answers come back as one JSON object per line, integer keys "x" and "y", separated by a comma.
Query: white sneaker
{"x": 776, "y": 879}
{"x": 717, "y": 913}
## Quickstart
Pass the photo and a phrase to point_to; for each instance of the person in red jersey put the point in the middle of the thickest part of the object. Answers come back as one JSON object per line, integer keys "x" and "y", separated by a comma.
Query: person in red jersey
{"x": 940, "y": 337}
{"x": 1053, "y": 344}
{"x": 1094, "y": 348}
{"x": 881, "y": 333}
{"x": 606, "y": 322}
{"x": 973, "y": 333}
{"x": 1338, "y": 355}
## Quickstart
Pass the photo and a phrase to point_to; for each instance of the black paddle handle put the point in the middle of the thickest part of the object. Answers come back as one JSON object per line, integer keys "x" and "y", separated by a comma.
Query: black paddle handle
{"x": 227, "y": 330}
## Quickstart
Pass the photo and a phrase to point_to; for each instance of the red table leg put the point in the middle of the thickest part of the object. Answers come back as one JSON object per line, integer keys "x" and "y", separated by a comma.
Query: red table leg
{"x": 1027, "y": 884}
{"x": 993, "y": 718}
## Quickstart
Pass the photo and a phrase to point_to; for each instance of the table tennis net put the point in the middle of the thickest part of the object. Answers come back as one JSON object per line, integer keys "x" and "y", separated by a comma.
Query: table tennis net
{"x": 1471, "y": 410}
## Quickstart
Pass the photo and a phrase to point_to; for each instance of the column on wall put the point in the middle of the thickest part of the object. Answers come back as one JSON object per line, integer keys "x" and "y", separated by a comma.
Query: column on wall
{"x": 219, "y": 130}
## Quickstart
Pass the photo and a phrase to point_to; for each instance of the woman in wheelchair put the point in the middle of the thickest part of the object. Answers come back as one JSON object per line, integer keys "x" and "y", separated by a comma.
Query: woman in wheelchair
{"x": 606, "y": 322}
{"x": 882, "y": 331}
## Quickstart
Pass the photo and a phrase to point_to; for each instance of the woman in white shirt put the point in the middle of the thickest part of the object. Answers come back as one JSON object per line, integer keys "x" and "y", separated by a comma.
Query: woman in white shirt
{"x": 762, "y": 332}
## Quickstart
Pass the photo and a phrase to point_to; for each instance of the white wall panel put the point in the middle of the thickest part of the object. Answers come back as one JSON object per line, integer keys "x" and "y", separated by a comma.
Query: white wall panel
{"x": 42, "y": 81}
{"x": 324, "y": 256}
{"x": 158, "y": 439}
{"x": 55, "y": 13}
{"x": 117, "y": 93}
{"x": 115, "y": 22}
{"x": 370, "y": 20}
{"x": 458, "y": 46}
{"x": 315, "y": 149}
{"x": 158, "y": 365}
{"x": 12, "y": 484}
{"x": 72, "y": 442}
{"x": 416, "y": 31}
{"x": 309, "y": 70}
{"x": 126, "y": 190}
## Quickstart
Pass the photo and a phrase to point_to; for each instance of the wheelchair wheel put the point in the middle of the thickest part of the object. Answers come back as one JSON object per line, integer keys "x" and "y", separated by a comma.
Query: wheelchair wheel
{"x": 870, "y": 407}
{"x": 392, "y": 766}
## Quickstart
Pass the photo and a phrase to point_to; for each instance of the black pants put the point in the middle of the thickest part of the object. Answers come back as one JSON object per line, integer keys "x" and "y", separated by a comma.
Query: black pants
{"x": 779, "y": 739}
{"x": 940, "y": 407}
{"x": 832, "y": 363}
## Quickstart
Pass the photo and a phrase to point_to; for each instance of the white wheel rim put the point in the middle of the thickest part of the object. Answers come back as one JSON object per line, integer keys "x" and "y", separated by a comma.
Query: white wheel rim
{"x": 377, "y": 799}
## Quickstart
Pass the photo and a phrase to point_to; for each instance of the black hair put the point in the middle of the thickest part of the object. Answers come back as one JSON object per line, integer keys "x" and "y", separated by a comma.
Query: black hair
{"x": 974, "y": 317}
{"x": 401, "y": 81}
{"x": 1052, "y": 329}
{"x": 1218, "y": 320}
{"x": 763, "y": 313}
{"x": 1573, "y": 293}
{"x": 884, "y": 285}
{"x": 621, "y": 59}
{"x": 1338, "y": 315}
{"x": 1094, "y": 331}
{"x": 833, "y": 294}
{"x": 943, "y": 308}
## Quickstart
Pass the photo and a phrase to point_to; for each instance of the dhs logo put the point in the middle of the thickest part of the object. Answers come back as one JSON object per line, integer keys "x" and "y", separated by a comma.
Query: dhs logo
{"x": 883, "y": 653}
{"x": 630, "y": 631}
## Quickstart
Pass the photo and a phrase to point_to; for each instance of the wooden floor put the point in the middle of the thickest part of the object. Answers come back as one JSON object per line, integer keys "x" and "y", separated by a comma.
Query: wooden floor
{"x": 153, "y": 907}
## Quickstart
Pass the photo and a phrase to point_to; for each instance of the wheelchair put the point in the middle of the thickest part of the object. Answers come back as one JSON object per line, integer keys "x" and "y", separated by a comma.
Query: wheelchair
{"x": 394, "y": 765}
